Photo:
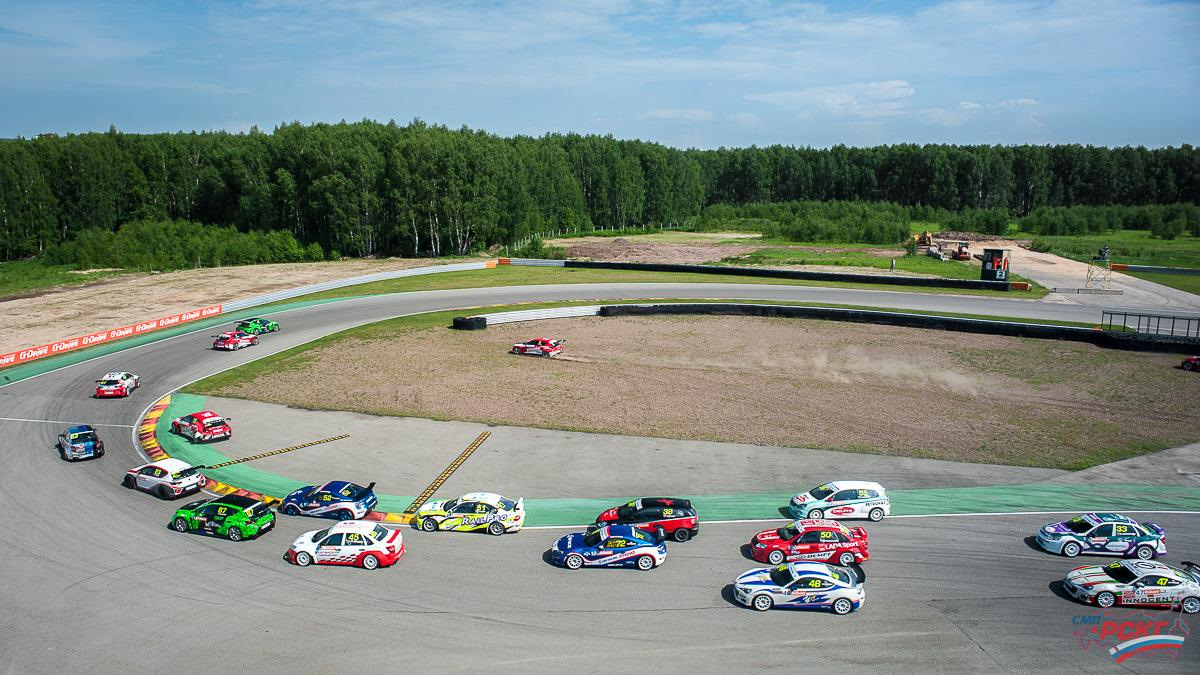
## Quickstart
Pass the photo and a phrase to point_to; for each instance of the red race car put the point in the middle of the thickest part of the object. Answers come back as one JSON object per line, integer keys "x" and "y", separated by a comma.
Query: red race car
{"x": 202, "y": 426}
{"x": 234, "y": 339}
{"x": 539, "y": 347}
{"x": 820, "y": 540}
{"x": 1191, "y": 363}
{"x": 663, "y": 516}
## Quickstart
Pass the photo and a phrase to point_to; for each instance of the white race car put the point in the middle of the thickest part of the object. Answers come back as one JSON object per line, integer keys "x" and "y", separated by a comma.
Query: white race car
{"x": 471, "y": 512}
{"x": 117, "y": 384}
{"x": 842, "y": 499}
{"x": 1136, "y": 582}
{"x": 802, "y": 585}
{"x": 351, "y": 542}
{"x": 168, "y": 478}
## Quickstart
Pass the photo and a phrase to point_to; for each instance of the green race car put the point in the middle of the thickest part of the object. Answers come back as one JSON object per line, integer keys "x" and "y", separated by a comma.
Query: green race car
{"x": 231, "y": 516}
{"x": 258, "y": 326}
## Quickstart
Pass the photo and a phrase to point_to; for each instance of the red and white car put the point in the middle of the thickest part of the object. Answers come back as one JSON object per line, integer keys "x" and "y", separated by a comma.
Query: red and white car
{"x": 539, "y": 347}
{"x": 351, "y": 542}
{"x": 168, "y": 478}
{"x": 1191, "y": 363}
{"x": 205, "y": 425}
{"x": 234, "y": 340}
{"x": 117, "y": 384}
{"x": 811, "y": 540}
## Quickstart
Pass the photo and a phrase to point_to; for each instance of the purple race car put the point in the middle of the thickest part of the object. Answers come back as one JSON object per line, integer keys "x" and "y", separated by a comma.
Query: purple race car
{"x": 1104, "y": 534}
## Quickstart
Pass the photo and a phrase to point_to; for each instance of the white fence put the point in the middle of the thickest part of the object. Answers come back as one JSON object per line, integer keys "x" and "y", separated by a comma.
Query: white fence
{"x": 534, "y": 314}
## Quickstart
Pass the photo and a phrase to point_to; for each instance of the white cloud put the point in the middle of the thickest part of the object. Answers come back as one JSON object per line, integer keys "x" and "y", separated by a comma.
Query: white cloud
{"x": 861, "y": 100}
{"x": 685, "y": 114}
{"x": 745, "y": 119}
{"x": 968, "y": 110}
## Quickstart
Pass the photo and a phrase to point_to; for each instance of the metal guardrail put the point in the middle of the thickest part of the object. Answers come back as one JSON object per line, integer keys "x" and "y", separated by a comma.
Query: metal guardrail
{"x": 352, "y": 281}
{"x": 534, "y": 314}
{"x": 536, "y": 262}
{"x": 1151, "y": 324}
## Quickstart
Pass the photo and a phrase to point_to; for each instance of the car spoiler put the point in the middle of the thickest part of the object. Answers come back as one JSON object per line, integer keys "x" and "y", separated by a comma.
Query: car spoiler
{"x": 369, "y": 487}
{"x": 1155, "y": 528}
{"x": 520, "y": 504}
{"x": 856, "y": 571}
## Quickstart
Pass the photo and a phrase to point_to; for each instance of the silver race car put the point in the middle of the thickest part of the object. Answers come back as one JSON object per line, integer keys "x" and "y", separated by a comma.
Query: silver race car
{"x": 1136, "y": 582}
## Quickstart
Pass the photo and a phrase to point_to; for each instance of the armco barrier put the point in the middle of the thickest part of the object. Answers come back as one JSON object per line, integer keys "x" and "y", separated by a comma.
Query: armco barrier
{"x": 1122, "y": 267}
{"x": 795, "y": 274}
{"x": 93, "y": 339}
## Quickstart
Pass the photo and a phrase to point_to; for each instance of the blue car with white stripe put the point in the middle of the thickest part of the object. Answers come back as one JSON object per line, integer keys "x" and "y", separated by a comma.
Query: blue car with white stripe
{"x": 611, "y": 546}
{"x": 802, "y": 585}
{"x": 336, "y": 499}
{"x": 80, "y": 442}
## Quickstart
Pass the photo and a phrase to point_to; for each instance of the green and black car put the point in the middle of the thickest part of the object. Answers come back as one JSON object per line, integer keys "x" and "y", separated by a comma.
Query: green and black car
{"x": 231, "y": 516}
{"x": 258, "y": 326}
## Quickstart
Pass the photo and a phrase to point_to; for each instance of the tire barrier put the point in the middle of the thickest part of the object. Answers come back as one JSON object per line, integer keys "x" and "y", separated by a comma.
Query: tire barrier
{"x": 795, "y": 274}
{"x": 1112, "y": 340}
{"x": 93, "y": 339}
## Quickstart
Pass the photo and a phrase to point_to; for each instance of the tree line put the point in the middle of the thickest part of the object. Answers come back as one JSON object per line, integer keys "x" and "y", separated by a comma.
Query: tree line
{"x": 368, "y": 188}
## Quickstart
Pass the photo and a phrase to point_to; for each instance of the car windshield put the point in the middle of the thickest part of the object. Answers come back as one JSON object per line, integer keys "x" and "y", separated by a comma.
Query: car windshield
{"x": 381, "y": 533}
{"x": 319, "y": 534}
{"x": 780, "y": 576}
{"x": 821, "y": 491}
{"x": 507, "y": 504}
{"x": 839, "y": 575}
{"x": 626, "y": 512}
{"x": 788, "y": 531}
{"x": 184, "y": 473}
{"x": 592, "y": 538}
{"x": 1120, "y": 573}
{"x": 450, "y": 504}
{"x": 1078, "y": 525}
{"x": 214, "y": 422}
{"x": 642, "y": 536}
{"x": 83, "y": 437}
{"x": 109, "y": 383}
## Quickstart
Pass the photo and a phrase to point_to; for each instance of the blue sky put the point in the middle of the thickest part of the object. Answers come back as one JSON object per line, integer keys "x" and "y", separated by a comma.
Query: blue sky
{"x": 687, "y": 74}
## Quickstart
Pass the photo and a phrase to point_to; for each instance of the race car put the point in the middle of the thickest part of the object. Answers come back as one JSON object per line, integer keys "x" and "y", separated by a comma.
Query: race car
{"x": 232, "y": 516}
{"x": 611, "y": 546}
{"x": 168, "y": 478}
{"x": 842, "y": 499}
{"x": 1104, "y": 534}
{"x": 824, "y": 540}
{"x": 472, "y": 512}
{"x": 234, "y": 340}
{"x": 117, "y": 384}
{"x": 539, "y": 347}
{"x": 1136, "y": 582}
{"x": 80, "y": 442}
{"x": 205, "y": 425}
{"x": 667, "y": 517}
{"x": 1191, "y": 363}
{"x": 336, "y": 499}
{"x": 257, "y": 326}
{"x": 354, "y": 542}
{"x": 802, "y": 585}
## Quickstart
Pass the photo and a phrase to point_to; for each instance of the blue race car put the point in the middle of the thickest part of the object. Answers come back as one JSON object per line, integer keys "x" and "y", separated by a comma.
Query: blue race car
{"x": 335, "y": 499}
{"x": 80, "y": 442}
{"x": 802, "y": 585}
{"x": 612, "y": 546}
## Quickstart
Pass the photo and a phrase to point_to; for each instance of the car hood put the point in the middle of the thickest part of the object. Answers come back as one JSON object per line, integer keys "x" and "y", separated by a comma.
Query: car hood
{"x": 801, "y": 497}
{"x": 304, "y": 540}
{"x": 607, "y": 516}
{"x": 297, "y": 495}
{"x": 570, "y": 542}
{"x": 1057, "y": 528}
{"x": 1093, "y": 577}
{"x": 756, "y": 577}
{"x": 432, "y": 507}
{"x": 767, "y": 536}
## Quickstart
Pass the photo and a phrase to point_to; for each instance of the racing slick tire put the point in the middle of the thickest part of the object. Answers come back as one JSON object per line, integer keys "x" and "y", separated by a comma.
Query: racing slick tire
{"x": 681, "y": 535}
{"x": 875, "y": 515}
{"x": 815, "y": 514}
{"x": 496, "y": 528}
{"x": 163, "y": 492}
{"x": 762, "y": 602}
{"x": 345, "y": 515}
{"x": 1070, "y": 549}
{"x": 1105, "y": 599}
{"x": 429, "y": 525}
{"x": 254, "y": 341}
{"x": 99, "y": 454}
{"x": 645, "y": 562}
{"x": 1188, "y": 365}
{"x": 1144, "y": 553}
{"x": 129, "y": 482}
{"x": 1190, "y": 605}
{"x": 516, "y": 351}
{"x": 846, "y": 559}
{"x": 842, "y": 606}
{"x": 370, "y": 562}
{"x": 180, "y": 525}
{"x": 775, "y": 557}
{"x": 573, "y": 561}
{"x": 234, "y": 534}
{"x": 303, "y": 559}
{"x": 291, "y": 510}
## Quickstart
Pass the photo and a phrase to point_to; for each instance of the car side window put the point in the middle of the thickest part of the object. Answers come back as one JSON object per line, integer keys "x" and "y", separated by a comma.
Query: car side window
{"x": 615, "y": 542}
{"x": 1157, "y": 581}
{"x": 465, "y": 507}
{"x": 1102, "y": 531}
{"x": 648, "y": 514}
{"x": 323, "y": 497}
{"x": 333, "y": 540}
{"x": 209, "y": 510}
{"x": 844, "y": 495}
{"x": 1124, "y": 530}
{"x": 810, "y": 537}
{"x": 355, "y": 539}
{"x": 872, "y": 494}
{"x": 810, "y": 583}
{"x": 148, "y": 471}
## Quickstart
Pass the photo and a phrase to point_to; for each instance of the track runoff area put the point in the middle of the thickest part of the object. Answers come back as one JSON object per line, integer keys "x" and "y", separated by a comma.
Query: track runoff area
{"x": 963, "y": 593}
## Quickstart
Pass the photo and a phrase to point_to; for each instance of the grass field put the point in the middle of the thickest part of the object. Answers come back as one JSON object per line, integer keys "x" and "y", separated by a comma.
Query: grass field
{"x": 1133, "y": 247}
{"x": 24, "y": 276}
{"x": 1184, "y": 282}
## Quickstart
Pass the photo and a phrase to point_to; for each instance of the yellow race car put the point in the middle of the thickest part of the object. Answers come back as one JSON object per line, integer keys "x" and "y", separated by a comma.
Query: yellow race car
{"x": 472, "y": 512}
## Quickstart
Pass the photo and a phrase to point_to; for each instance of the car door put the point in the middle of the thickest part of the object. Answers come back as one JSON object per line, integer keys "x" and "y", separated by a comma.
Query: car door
{"x": 330, "y": 549}
{"x": 459, "y": 514}
{"x": 149, "y": 477}
{"x": 318, "y": 502}
{"x": 612, "y": 547}
{"x": 808, "y": 590}
{"x": 838, "y": 506}
{"x": 1124, "y": 538}
{"x": 1153, "y": 589}
{"x": 206, "y": 517}
{"x": 1097, "y": 539}
{"x": 804, "y": 547}
{"x": 354, "y": 545}
{"x": 647, "y": 519}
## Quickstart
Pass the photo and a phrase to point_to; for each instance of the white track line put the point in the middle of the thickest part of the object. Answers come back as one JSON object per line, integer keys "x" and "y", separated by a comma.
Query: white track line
{"x": 22, "y": 419}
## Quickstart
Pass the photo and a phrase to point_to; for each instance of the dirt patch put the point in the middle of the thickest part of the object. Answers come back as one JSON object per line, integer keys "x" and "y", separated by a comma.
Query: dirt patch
{"x": 799, "y": 383}
{"x": 68, "y": 311}
{"x": 620, "y": 249}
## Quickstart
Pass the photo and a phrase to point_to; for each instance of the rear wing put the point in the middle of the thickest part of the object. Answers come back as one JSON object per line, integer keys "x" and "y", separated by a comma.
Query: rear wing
{"x": 858, "y": 532}
{"x": 520, "y": 504}
{"x": 558, "y": 342}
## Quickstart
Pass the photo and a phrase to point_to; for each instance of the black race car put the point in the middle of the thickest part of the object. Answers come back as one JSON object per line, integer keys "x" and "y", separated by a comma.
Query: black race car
{"x": 664, "y": 516}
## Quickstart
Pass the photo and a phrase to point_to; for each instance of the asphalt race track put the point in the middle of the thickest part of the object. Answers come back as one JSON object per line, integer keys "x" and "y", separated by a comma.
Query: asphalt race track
{"x": 92, "y": 580}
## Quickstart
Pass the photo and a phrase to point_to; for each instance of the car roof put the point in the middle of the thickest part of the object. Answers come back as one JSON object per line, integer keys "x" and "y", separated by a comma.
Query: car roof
{"x": 1110, "y": 518}
{"x": 647, "y": 502}
{"x": 79, "y": 428}
{"x": 114, "y": 376}
{"x": 203, "y": 415}
{"x": 336, "y": 486}
{"x": 486, "y": 497}
{"x": 822, "y": 524}
{"x": 627, "y": 531}
{"x": 240, "y": 501}
{"x": 360, "y": 526}
{"x": 854, "y": 485}
{"x": 799, "y": 569}
{"x": 171, "y": 464}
